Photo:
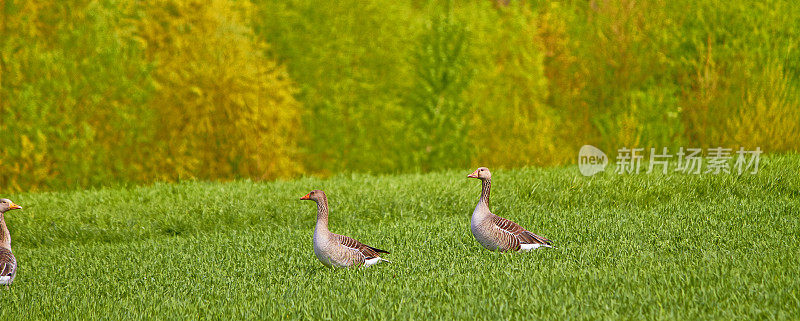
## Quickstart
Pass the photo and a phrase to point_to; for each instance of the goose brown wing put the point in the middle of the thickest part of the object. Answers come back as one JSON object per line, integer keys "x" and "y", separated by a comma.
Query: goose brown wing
{"x": 523, "y": 236}
{"x": 368, "y": 251}
{"x": 8, "y": 265}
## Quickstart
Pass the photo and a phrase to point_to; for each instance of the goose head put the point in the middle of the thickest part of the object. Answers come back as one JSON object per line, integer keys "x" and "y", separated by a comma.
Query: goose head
{"x": 7, "y": 205}
{"x": 481, "y": 173}
{"x": 314, "y": 195}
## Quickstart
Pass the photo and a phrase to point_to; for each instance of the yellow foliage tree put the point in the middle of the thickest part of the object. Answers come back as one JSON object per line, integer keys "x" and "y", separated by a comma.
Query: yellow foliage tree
{"x": 72, "y": 95}
{"x": 225, "y": 108}
{"x": 512, "y": 124}
{"x": 768, "y": 117}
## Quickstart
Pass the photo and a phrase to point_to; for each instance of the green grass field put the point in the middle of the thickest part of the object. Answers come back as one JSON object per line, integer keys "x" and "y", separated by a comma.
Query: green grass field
{"x": 628, "y": 247}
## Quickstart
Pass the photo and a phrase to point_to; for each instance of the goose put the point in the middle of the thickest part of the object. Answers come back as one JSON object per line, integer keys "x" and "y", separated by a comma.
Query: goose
{"x": 8, "y": 263}
{"x": 335, "y": 250}
{"x": 494, "y": 232}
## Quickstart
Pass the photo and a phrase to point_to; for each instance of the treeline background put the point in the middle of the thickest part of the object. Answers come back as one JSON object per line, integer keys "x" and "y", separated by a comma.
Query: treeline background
{"x": 94, "y": 93}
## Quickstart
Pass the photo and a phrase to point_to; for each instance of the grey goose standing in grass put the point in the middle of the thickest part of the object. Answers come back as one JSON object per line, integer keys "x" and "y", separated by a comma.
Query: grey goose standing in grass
{"x": 494, "y": 232}
{"x": 8, "y": 263}
{"x": 336, "y": 250}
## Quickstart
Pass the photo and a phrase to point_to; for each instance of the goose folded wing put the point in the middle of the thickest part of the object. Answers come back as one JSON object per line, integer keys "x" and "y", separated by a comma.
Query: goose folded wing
{"x": 523, "y": 236}
{"x": 368, "y": 251}
{"x": 7, "y": 263}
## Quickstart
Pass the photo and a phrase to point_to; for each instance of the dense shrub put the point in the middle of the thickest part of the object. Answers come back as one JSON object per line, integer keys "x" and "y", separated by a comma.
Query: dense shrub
{"x": 73, "y": 95}
{"x": 224, "y": 109}
{"x": 100, "y": 92}
{"x": 437, "y": 112}
{"x": 351, "y": 61}
{"x": 512, "y": 123}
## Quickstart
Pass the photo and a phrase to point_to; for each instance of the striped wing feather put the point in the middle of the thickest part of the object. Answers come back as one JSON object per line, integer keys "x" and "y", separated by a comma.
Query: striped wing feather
{"x": 521, "y": 235}
{"x": 8, "y": 265}
{"x": 368, "y": 251}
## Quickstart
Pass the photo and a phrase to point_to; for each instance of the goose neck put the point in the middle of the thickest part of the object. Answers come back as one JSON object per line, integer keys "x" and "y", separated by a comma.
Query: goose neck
{"x": 486, "y": 189}
{"x": 322, "y": 215}
{"x": 5, "y": 236}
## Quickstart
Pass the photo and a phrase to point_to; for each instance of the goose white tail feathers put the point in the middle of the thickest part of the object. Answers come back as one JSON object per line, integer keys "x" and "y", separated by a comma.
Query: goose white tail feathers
{"x": 531, "y": 247}
{"x": 375, "y": 260}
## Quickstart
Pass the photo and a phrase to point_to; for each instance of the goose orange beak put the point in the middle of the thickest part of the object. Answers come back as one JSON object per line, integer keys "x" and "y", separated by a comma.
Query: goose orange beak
{"x": 13, "y": 206}
{"x": 307, "y": 197}
{"x": 474, "y": 174}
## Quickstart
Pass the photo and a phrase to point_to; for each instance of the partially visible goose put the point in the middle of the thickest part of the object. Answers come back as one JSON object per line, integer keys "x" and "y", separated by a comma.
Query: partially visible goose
{"x": 8, "y": 263}
{"x": 336, "y": 250}
{"x": 494, "y": 232}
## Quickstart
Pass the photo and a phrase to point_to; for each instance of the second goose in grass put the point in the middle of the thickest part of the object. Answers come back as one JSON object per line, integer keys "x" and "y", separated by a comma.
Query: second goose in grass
{"x": 494, "y": 232}
{"x": 8, "y": 263}
{"x": 336, "y": 250}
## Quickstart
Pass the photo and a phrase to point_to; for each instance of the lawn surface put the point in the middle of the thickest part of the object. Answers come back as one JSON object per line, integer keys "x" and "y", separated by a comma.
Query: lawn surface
{"x": 628, "y": 247}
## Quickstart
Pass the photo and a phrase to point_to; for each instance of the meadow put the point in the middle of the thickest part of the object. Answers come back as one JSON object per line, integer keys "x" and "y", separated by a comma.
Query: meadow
{"x": 159, "y": 149}
{"x": 646, "y": 246}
